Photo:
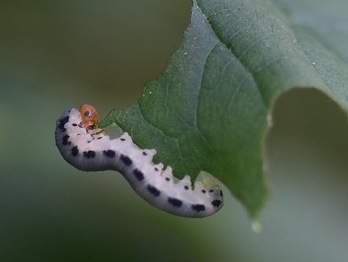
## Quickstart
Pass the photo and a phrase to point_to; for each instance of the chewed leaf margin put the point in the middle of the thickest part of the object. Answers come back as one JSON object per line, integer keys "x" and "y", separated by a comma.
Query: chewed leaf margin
{"x": 209, "y": 109}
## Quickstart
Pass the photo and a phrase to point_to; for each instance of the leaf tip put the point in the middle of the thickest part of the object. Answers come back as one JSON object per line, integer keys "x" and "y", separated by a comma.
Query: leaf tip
{"x": 256, "y": 226}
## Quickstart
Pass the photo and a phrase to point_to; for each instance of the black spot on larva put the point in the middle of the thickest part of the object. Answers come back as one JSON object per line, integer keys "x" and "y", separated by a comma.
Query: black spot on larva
{"x": 211, "y": 190}
{"x": 122, "y": 139}
{"x": 74, "y": 124}
{"x": 89, "y": 154}
{"x": 99, "y": 137}
{"x": 175, "y": 202}
{"x": 62, "y": 122}
{"x": 138, "y": 174}
{"x": 204, "y": 191}
{"x": 153, "y": 190}
{"x": 144, "y": 153}
{"x": 75, "y": 151}
{"x": 126, "y": 160}
{"x": 109, "y": 153}
{"x": 221, "y": 193}
{"x": 66, "y": 140}
{"x": 156, "y": 169}
{"x": 186, "y": 187}
{"x": 198, "y": 207}
{"x": 167, "y": 179}
{"x": 216, "y": 203}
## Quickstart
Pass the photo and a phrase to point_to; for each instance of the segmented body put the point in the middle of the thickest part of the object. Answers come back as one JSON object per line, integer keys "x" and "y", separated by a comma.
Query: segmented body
{"x": 89, "y": 150}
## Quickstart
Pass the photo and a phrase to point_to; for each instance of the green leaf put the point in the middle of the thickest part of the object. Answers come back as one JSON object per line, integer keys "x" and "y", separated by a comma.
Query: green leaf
{"x": 209, "y": 109}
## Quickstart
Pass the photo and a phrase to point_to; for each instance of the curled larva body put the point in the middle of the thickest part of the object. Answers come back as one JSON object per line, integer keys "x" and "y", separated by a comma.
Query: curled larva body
{"x": 90, "y": 150}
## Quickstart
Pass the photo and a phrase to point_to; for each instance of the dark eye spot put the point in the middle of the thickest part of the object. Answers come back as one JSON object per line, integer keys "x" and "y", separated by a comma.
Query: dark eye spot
{"x": 204, "y": 191}
{"x": 88, "y": 113}
{"x": 186, "y": 187}
{"x": 167, "y": 178}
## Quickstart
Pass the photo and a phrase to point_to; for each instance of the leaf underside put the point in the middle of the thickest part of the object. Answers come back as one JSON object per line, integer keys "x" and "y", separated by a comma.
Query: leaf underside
{"x": 208, "y": 110}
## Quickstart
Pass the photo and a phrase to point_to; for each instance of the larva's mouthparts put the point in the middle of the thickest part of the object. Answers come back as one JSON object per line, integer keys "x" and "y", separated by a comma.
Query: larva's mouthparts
{"x": 90, "y": 149}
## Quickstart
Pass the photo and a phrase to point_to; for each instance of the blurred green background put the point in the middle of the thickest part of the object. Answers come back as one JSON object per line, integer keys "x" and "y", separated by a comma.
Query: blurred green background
{"x": 60, "y": 54}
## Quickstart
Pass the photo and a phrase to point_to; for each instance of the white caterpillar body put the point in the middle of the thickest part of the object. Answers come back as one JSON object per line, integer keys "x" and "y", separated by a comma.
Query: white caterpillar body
{"x": 89, "y": 150}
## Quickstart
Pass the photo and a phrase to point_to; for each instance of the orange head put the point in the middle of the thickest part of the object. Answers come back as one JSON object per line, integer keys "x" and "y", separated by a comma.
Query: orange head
{"x": 89, "y": 116}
